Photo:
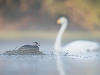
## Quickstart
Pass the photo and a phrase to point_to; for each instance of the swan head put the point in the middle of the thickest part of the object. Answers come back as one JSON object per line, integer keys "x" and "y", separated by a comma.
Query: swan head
{"x": 62, "y": 20}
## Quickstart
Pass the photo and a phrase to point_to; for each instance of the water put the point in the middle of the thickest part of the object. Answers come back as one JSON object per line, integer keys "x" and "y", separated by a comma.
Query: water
{"x": 46, "y": 64}
{"x": 27, "y": 65}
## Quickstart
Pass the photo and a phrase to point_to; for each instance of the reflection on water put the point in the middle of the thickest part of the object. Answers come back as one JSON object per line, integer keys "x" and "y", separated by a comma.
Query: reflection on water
{"x": 46, "y": 65}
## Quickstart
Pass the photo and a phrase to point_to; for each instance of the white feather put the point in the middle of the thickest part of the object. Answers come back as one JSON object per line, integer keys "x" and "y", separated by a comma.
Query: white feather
{"x": 75, "y": 46}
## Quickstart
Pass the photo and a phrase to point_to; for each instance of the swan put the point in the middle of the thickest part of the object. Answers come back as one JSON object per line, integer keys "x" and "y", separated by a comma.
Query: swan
{"x": 75, "y": 46}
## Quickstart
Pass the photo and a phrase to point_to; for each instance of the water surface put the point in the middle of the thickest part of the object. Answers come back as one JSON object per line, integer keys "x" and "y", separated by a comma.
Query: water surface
{"x": 45, "y": 64}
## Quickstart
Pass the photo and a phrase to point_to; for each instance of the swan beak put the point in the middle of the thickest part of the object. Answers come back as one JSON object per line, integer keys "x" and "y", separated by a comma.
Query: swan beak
{"x": 58, "y": 21}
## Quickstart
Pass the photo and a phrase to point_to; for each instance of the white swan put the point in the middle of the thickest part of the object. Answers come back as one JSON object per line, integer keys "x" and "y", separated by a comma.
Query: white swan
{"x": 75, "y": 46}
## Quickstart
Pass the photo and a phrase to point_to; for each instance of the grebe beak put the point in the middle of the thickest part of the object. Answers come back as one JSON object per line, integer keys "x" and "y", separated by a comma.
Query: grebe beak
{"x": 38, "y": 45}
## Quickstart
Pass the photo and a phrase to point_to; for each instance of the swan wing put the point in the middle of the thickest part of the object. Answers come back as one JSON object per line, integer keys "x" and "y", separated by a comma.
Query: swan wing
{"x": 81, "y": 46}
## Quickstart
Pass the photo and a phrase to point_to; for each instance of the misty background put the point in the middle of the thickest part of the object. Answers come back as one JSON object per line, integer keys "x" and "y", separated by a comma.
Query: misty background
{"x": 35, "y": 20}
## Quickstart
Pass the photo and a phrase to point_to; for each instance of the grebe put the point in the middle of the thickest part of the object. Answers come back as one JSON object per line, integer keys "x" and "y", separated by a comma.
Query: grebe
{"x": 27, "y": 47}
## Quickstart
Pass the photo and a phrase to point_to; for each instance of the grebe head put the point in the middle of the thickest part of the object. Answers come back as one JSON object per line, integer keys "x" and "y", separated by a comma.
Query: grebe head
{"x": 62, "y": 20}
{"x": 35, "y": 44}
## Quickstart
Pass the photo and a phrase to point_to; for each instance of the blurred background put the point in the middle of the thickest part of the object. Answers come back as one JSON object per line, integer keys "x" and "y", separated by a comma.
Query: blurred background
{"x": 35, "y": 20}
{"x": 26, "y": 21}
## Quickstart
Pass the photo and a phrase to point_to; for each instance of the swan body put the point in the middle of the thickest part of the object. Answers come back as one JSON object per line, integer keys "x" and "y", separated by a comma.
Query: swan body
{"x": 81, "y": 46}
{"x": 75, "y": 46}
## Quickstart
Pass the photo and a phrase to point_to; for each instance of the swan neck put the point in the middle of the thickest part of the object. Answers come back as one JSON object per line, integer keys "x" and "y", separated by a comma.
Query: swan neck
{"x": 57, "y": 44}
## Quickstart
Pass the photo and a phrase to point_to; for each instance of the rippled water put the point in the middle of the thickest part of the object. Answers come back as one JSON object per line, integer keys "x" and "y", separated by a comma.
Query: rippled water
{"x": 47, "y": 64}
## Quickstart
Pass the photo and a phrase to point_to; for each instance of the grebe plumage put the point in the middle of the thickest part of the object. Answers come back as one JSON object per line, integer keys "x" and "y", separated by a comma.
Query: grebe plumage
{"x": 27, "y": 47}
